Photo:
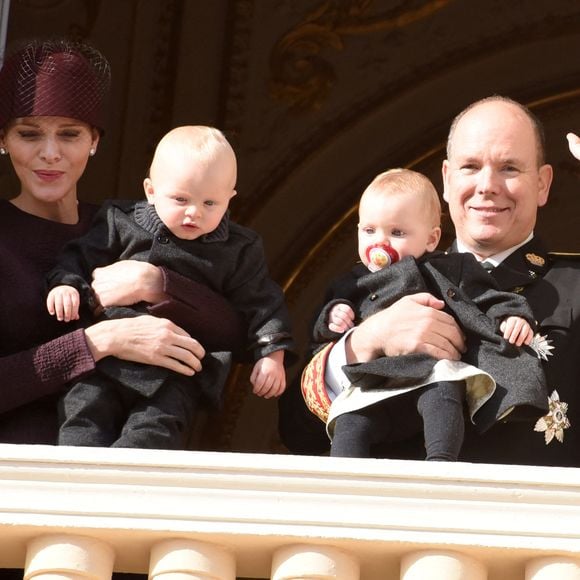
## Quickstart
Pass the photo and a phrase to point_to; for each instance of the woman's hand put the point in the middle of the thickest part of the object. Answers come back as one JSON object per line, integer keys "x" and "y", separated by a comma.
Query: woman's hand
{"x": 146, "y": 339}
{"x": 127, "y": 282}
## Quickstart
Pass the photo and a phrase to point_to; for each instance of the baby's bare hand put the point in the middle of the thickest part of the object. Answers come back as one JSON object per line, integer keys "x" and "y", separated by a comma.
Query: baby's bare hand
{"x": 516, "y": 331}
{"x": 341, "y": 318}
{"x": 268, "y": 375}
{"x": 64, "y": 303}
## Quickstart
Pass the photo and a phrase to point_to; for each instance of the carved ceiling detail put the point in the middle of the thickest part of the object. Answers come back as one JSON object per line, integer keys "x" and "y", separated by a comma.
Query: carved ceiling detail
{"x": 516, "y": 35}
{"x": 300, "y": 75}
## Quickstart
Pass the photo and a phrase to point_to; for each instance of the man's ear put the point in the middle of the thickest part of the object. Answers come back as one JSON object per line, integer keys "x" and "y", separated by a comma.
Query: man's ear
{"x": 434, "y": 238}
{"x": 148, "y": 187}
{"x": 234, "y": 192}
{"x": 445, "y": 169}
{"x": 545, "y": 175}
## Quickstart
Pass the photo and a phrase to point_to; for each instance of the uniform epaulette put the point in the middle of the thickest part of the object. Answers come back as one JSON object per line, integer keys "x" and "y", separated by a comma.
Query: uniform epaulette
{"x": 568, "y": 255}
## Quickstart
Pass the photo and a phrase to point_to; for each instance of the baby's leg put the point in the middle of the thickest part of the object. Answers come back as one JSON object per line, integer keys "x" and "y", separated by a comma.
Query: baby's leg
{"x": 441, "y": 406}
{"x": 164, "y": 420}
{"x": 390, "y": 421}
{"x": 91, "y": 413}
{"x": 355, "y": 432}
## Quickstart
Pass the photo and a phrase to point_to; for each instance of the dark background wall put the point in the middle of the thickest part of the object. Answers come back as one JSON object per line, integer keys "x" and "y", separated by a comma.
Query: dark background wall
{"x": 317, "y": 97}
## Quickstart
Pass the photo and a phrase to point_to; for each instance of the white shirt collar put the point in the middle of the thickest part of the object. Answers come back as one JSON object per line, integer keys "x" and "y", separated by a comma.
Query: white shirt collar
{"x": 496, "y": 259}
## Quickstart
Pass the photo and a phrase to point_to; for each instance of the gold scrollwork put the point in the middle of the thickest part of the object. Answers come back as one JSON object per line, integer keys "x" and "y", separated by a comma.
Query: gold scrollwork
{"x": 300, "y": 76}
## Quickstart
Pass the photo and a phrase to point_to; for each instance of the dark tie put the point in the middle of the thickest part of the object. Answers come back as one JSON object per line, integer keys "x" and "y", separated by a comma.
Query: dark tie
{"x": 487, "y": 265}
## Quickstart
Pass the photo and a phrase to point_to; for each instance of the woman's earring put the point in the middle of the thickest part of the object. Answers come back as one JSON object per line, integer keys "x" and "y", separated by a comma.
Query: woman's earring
{"x": 92, "y": 151}
{"x": 3, "y": 151}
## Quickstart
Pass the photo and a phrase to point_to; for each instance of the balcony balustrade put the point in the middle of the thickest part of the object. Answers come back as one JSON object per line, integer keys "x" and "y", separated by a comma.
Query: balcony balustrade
{"x": 80, "y": 513}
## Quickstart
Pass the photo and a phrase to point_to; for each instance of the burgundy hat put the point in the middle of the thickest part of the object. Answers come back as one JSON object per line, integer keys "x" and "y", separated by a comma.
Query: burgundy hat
{"x": 56, "y": 78}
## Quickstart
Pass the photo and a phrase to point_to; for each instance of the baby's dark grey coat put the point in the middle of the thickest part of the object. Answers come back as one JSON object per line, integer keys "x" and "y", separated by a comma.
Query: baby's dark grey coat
{"x": 474, "y": 299}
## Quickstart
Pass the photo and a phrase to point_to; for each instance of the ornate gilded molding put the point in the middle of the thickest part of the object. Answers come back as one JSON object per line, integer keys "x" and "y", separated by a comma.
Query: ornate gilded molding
{"x": 300, "y": 76}
{"x": 522, "y": 32}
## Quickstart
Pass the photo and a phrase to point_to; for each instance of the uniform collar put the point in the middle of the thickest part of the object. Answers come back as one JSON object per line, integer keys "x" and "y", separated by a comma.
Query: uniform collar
{"x": 523, "y": 264}
{"x": 496, "y": 259}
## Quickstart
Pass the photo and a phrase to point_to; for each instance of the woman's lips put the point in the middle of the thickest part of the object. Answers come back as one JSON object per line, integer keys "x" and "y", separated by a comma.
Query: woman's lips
{"x": 48, "y": 175}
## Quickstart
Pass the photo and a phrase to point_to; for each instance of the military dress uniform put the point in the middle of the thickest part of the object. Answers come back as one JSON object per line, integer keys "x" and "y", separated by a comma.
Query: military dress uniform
{"x": 550, "y": 282}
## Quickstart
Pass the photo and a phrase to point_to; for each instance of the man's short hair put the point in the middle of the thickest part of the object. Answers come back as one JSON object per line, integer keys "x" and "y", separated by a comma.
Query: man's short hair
{"x": 537, "y": 126}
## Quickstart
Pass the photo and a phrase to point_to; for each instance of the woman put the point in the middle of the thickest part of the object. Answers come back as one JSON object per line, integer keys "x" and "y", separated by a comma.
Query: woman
{"x": 51, "y": 102}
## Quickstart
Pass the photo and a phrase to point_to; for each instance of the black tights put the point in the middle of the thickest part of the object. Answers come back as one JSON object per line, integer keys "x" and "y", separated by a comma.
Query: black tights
{"x": 440, "y": 406}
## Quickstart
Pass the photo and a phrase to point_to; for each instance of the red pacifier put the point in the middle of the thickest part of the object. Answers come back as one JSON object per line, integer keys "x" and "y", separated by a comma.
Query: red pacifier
{"x": 381, "y": 255}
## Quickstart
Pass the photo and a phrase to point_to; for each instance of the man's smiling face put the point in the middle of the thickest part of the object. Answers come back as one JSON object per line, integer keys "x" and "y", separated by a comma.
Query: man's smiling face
{"x": 492, "y": 180}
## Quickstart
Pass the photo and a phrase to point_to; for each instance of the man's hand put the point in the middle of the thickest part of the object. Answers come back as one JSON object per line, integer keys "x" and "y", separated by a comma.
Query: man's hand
{"x": 413, "y": 324}
{"x": 268, "y": 375}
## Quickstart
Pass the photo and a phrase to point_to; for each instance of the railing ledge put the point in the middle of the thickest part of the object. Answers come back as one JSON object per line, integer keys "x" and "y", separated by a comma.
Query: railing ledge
{"x": 255, "y": 504}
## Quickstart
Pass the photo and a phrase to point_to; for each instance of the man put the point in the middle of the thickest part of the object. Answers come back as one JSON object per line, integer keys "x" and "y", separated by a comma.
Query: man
{"x": 495, "y": 178}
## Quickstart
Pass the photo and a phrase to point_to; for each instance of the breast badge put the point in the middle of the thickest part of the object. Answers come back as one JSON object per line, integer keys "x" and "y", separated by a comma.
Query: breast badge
{"x": 535, "y": 260}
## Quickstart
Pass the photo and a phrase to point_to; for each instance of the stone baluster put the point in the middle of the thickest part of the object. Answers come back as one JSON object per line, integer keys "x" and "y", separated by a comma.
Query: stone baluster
{"x": 304, "y": 561}
{"x": 68, "y": 557}
{"x": 553, "y": 568}
{"x": 181, "y": 559}
{"x": 441, "y": 565}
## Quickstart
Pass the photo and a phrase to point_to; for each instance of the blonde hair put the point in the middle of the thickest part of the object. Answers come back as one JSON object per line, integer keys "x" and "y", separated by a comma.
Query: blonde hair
{"x": 407, "y": 182}
{"x": 197, "y": 143}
